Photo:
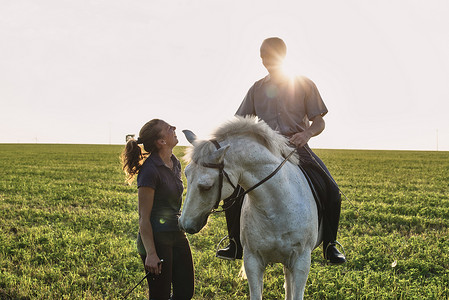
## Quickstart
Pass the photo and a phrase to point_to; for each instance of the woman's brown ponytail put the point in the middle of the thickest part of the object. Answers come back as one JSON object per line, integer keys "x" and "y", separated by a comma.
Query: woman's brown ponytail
{"x": 132, "y": 156}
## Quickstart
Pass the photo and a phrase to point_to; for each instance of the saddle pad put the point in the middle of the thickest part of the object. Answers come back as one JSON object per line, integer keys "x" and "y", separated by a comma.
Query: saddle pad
{"x": 317, "y": 183}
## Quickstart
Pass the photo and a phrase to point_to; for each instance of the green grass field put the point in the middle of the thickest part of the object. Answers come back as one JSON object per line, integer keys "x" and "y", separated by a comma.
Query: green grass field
{"x": 68, "y": 226}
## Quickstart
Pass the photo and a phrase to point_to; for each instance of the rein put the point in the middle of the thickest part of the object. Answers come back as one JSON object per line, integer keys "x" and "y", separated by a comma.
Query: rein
{"x": 222, "y": 173}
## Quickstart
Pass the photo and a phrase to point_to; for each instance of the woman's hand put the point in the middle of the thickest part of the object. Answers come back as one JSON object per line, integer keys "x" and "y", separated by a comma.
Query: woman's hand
{"x": 153, "y": 264}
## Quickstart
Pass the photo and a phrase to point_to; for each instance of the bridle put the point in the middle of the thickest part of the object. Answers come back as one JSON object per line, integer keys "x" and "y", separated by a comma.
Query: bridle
{"x": 222, "y": 173}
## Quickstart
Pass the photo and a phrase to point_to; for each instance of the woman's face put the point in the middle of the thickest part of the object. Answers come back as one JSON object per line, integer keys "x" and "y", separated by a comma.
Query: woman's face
{"x": 168, "y": 134}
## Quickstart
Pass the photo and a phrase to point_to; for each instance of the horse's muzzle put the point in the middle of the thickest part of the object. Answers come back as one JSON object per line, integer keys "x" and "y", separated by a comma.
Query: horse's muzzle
{"x": 192, "y": 227}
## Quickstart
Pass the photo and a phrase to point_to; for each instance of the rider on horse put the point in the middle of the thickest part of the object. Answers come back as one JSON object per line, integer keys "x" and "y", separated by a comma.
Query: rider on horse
{"x": 294, "y": 108}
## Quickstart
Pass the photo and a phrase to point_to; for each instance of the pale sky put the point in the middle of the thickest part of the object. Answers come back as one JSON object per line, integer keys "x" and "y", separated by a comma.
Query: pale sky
{"x": 78, "y": 71}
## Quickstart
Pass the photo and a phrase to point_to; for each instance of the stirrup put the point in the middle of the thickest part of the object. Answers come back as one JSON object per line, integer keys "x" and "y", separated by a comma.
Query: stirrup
{"x": 218, "y": 249}
{"x": 221, "y": 241}
{"x": 333, "y": 244}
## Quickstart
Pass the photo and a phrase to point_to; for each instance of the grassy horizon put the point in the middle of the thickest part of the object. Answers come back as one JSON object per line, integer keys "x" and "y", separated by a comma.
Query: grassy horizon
{"x": 69, "y": 221}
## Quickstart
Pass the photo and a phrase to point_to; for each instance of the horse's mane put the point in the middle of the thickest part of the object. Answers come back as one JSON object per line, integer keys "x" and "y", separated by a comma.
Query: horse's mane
{"x": 249, "y": 126}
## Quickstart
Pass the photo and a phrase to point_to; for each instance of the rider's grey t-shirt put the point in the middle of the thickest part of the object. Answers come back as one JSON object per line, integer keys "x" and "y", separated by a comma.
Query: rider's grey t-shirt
{"x": 286, "y": 107}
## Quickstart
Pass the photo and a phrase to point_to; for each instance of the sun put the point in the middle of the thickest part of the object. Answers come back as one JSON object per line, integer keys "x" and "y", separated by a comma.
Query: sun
{"x": 290, "y": 68}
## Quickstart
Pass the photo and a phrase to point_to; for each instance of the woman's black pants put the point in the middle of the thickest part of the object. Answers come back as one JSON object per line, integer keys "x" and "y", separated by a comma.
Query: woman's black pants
{"x": 177, "y": 268}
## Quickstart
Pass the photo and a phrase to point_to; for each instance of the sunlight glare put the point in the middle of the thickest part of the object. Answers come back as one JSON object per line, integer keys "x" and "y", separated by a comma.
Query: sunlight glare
{"x": 290, "y": 68}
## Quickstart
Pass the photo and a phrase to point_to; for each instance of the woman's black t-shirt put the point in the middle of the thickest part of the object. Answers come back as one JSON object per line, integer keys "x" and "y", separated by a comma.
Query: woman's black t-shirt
{"x": 168, "y": 189}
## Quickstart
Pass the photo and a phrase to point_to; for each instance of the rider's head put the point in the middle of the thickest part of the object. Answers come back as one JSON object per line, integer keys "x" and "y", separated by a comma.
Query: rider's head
{"x": 272, "y": 52}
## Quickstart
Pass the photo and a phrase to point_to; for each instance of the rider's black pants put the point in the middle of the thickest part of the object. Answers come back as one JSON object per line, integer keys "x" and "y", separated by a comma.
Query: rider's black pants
{"x": 327, "y": 189}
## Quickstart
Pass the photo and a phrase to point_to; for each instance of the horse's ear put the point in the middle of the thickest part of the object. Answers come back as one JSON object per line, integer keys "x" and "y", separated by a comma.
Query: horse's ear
{"x": 218, "y": 155}
{"x": 190, "y": 136}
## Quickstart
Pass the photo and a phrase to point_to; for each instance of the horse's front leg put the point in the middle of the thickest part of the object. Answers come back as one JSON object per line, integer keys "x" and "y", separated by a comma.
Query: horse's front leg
{"x": 254, "y": 269}
{"x": 298, "y": 274}
{"x": 288, "y": 277}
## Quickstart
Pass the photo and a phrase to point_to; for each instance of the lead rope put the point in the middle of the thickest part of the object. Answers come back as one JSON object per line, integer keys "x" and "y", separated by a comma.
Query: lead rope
{"x": 126, "y": 295}
{"x": 359, "y": 214}
{"x": 148, "y": 274}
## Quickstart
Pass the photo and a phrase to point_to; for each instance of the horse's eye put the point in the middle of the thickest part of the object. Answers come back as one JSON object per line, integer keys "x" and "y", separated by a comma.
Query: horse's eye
{"x": 204, "y": 188}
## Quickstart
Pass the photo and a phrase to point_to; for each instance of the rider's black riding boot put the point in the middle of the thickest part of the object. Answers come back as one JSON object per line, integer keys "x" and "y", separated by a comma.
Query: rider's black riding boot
{"x": 331, "y": 219}
{"x": 233, "y": 251}
{"x": 233, "y": 209}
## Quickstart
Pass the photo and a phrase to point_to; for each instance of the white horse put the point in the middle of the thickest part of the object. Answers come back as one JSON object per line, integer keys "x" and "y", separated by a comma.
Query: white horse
{"x": 279, "y": 220}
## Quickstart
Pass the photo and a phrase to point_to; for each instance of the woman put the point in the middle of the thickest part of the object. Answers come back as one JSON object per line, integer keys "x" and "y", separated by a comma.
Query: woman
{"x": 163, "y": 247}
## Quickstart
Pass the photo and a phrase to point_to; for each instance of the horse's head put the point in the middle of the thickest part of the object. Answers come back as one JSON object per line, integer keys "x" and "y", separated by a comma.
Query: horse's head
{"x": 243, "y": 141}
{"x": 205, "y": 188}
